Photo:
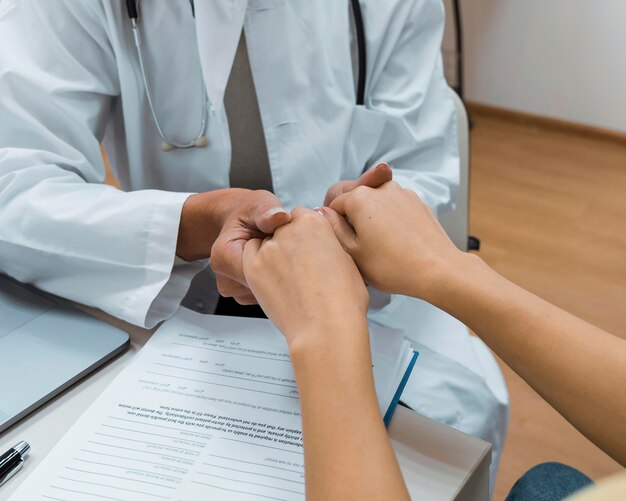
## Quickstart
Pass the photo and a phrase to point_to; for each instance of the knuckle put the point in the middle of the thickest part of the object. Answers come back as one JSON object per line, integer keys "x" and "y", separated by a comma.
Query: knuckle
{"x": 262, "y": 195}
{"x": 309, "y": 217}
{"x": 246, "y": 299}
{"x": 223, "y": 286}
{"x": 413, "y": 196}
{"x": 255, "y": 266}
{"x": 227, "y": 258}
{"x": 299, "y": 212}
{"x": 218, "y": 262}
{"x": 230, "y": 288}
{"x": 360, "y": 195}
{"x": 333, "y": 192}
{"x": 351, "y": 247}
{"x": 361, "y": 192}
{"x": 312, "y": 222}
{"x": 219, "y": 251}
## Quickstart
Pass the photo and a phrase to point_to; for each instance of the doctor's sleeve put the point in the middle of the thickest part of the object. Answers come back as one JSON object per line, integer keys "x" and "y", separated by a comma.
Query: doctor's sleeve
{"x": 408, "y": 87}
{"x": 61, "y": 228}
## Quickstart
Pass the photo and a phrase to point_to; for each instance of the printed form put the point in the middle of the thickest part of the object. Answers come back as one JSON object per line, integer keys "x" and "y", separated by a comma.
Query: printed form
{"x": 207, "y": 410}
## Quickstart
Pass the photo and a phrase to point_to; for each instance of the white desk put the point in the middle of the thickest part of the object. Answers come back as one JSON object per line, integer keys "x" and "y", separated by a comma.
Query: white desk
{"x": 438, "y": 463}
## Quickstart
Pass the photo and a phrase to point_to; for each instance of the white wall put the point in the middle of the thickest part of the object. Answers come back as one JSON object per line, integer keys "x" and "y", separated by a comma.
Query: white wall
{"x": 559, "y": 58}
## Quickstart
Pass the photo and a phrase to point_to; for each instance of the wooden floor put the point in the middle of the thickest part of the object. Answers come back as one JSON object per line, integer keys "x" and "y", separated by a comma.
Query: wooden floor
{"x": 550, "y": 209}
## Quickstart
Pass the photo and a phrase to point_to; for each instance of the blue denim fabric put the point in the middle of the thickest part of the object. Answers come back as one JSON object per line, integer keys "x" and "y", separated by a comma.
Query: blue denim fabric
{"x": 548, "y": 482}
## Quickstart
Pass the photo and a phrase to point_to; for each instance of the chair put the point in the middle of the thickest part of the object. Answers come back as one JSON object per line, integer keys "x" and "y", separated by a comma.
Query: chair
{"x": 456, "y": 222}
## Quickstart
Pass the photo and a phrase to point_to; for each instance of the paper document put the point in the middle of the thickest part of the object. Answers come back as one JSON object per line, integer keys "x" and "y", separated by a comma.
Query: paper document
{"x": 207, "y": 410}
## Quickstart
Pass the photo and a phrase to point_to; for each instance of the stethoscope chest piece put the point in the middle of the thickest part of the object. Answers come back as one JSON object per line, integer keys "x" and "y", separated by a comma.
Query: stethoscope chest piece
{"x": 201, "y": 142}
{"x": 167, "y": 144}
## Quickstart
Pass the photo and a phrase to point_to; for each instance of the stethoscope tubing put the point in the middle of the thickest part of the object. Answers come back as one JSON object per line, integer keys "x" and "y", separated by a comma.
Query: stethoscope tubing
{"x": 200, "y": 140}
{"x": 167, "y": 144}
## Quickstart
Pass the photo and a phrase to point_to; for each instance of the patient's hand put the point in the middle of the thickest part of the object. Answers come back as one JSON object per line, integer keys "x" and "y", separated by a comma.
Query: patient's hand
{"x": 395, "y": 239}
{"x": 304, "y": 281}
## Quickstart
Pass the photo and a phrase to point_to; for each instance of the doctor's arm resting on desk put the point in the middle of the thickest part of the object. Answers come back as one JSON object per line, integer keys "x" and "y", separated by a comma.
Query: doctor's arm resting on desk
{"x": 314, "y": 293}
{"x": 576, "y": 367}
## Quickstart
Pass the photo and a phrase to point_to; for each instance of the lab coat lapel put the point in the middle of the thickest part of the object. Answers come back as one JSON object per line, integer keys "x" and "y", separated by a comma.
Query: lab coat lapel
{"x": 218, "y": 28}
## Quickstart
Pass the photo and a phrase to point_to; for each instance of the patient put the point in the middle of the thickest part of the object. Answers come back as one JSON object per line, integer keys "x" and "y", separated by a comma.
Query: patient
{"x": 309, "y": 278}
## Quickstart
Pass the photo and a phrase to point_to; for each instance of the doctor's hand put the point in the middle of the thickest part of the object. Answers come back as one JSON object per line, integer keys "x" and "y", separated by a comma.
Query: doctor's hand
{"x": 218, "y": 224}
{"x": 395, "y": 239}
{"x": 372, "y": 178}
{"x": 305, "y": 282}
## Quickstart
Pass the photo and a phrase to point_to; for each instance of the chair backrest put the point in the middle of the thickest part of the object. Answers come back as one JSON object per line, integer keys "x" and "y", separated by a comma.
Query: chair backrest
{"x": 456, "y": 222}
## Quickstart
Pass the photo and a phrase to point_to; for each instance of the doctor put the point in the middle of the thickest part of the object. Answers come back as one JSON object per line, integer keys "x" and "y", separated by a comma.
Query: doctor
{"x": 223, "y": 98}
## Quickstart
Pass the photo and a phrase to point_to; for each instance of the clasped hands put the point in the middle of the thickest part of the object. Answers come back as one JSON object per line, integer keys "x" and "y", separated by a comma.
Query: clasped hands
{"x": 309, "y": 267}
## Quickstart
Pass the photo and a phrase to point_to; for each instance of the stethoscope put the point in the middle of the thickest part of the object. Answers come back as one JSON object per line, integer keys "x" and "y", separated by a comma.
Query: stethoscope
{"x": 200, "y": 140}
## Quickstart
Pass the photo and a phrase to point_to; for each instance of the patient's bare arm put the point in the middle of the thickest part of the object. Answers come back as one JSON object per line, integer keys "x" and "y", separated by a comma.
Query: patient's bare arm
{"x": 579, "y": 369}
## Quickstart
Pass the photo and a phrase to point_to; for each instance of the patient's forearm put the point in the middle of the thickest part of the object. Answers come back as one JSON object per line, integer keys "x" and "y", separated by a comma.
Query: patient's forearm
{"x": 347, "y": 451}
{"x": 579, "y": 369}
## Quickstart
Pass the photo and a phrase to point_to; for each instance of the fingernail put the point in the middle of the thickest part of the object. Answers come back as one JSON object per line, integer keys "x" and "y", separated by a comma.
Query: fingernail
{"x": 320, "y": 211}
{"x": 275, "y": 210}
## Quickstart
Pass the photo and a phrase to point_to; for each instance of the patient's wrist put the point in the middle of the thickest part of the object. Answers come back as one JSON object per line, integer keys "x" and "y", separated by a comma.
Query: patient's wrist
{"x": 452, "y": 276}
{"x": 328, "y": 336}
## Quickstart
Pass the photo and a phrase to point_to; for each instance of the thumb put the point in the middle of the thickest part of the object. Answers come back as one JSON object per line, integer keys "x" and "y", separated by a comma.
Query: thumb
{"x": 343, "y": 230}
{"x": 372, "y": 178}
{"x": 376, "y": 177}
{"x": 269, "y": 214}
{"x": 272, "y": 219}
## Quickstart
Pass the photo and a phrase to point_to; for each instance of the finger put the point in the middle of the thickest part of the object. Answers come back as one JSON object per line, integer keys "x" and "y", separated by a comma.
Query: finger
{"x": 343, "y": 230}
{"x": 272, "y": 219}
{"x": 309, "y": 218}
{"x": 227, "y": 257}
{"x": 342, "y": 204}
{"x": 246, "y": 300}
{"x": 299, "y": 212}
{"x": 373, "y": 178}
{"x": 269, "y": 213}
{"x": 377, "y": 176}
{"x": 250, "y": 250}
{"x": 337, "y": 189}
{"x": 228, "y": 287}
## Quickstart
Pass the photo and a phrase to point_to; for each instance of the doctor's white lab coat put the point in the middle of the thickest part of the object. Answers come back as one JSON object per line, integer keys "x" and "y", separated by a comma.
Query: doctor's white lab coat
{"x": 70, "y": 79}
